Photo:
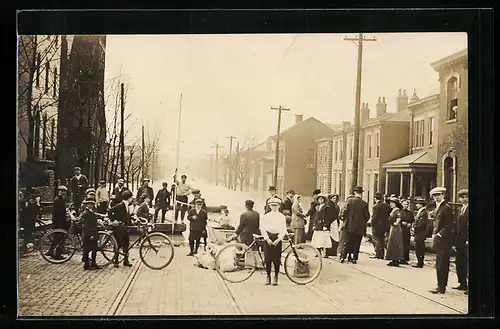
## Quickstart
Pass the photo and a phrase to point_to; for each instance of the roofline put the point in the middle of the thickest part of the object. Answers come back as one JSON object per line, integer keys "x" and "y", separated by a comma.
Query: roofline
{"x": 384, "y": 122}
{"x": 324, "y": 139}
{"x": 437, "y": 65}
{"x": 410, "y": 165}
{"x": 428, "y": 99}
{"x": 298, "y": 124}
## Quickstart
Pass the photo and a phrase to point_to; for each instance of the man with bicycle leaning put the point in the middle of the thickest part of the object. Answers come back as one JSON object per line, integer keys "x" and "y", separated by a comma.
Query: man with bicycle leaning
{"x": 59, "y": 220}
{"x": 120, "y": 218}
{"x": 90, "y": 234}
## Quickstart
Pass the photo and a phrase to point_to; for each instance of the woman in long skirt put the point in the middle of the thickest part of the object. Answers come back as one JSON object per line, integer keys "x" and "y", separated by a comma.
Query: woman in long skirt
{"x": 333, "y": 215}
{"x": 395, "y": 241}
{"x": 321, "y": 235}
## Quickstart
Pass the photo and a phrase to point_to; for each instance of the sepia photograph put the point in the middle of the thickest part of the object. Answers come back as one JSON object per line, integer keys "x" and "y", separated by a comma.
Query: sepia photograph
{"x": 243, "y": 174}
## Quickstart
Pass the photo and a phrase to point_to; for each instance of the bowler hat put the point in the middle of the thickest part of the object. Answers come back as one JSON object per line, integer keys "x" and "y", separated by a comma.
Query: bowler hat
{"x": 184, "y": 176}
{"x": 316, "y": 191}
{"x": 358, "y": 189}
{"x": 462, "y": 192}
{"x": 377, "y": 195}
{"x": 272, "y": 188}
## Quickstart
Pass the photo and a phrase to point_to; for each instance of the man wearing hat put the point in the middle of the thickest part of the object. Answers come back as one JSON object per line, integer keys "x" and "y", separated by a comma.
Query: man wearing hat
{"x": 420, "y": 230}
{"x": 198, "y": 223}
{"x": 182, "y": 191}
{"x": 287, "y": 203}
{"x": 162, "y": 202}
{"x": 272, "y": 194}
{"x": 442, "y": 239}
{"x": 89, "y": 234}
{"x": 380, "y": 224}
{"x": 249, "y": 224}
{"x": 462, "y": 240}
{"x": 120, "y": 216}
{"x": 102, "y": 197}
{"x": 145, "y": 189}
{"x": 119, "y": 189}
{"x": 407, "y": 219}
{"x": 90, "y": 193}
{"x": 310, "y": 213}
{"x": 197, "y": 195}
{"x": 59, "y": 220}
{"x": 78, "y": 185}
{"x": 356, "y": 216}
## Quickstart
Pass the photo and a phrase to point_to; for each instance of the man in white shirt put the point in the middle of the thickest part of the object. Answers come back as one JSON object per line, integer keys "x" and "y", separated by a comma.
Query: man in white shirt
{"x": 182, "y": 191}
{"x": 102, "y": 197}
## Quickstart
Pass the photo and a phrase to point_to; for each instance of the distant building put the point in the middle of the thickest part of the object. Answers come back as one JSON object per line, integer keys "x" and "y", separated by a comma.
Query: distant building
{"x": 324, "y": 160}
{"x": 339, "y": 147}
{"x": 453, "y": 152}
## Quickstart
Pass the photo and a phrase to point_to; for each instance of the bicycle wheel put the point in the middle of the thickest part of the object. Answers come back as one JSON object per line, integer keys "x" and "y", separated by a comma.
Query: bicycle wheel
{"x": 156, "y": 251}
{"x": 55, "y": 242}
{"x": 107, "y": 248}
{"x": 235, "y": 263}
{"x": 303, "y": 263}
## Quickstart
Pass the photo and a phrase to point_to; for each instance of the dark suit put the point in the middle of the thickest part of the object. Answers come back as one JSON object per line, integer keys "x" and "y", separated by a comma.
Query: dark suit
{"x": 462, "y": 237}
{"x": 162, "y": 202}
{"x": 89, "y": 236}
{"x": 268, "y": 209}
{"x": 443, "y": 225}
{"x": 420, "y": 228}
{"x": 117, "y": 191}
{"x": 356, "y": 216}
{"x": 287, "y": 204}
{"x": 408, "y": 218}
{"x": 197, "y": 227}
{"x": 120, "y": 213}
{"x": 59, "y": 221}
{"x": 78, "y": 186}
{"x": 380, "y": 227}
{"x": 249, "y": 225}
{"x": 310, "y": 213}
{"x": 148, "y": 191}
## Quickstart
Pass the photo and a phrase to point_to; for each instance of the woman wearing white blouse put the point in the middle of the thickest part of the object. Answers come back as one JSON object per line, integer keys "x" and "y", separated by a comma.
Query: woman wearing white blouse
{"x": 273, "y": 229}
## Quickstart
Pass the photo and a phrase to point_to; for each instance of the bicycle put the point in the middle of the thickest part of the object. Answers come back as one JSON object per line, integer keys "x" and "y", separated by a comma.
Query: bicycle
{"x": 69, "y": 241}
{"x": 302, "y": 263}
{"x": 146, "y": 244}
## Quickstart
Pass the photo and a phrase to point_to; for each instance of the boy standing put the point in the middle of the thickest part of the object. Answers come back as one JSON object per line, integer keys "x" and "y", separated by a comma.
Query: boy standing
{"x": 89, "y": 234}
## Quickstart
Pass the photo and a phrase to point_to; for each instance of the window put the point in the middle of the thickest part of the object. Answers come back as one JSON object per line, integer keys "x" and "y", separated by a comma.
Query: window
{"x": 452, "y": 98}
{"x": 369, "y": 145}
{"x": 54, "y": 84}
{"x": 340, "y": 184}
{"x": 47, "y": 71}
{"x": 310, "y": 159}
{"x": 418, "y": 134}
{"x": 431, "y": 130}
{"x": 375, "y": 183}
{"x": 351, "y": 146}
{"x": 37, "y": 67}
{"x": 377, "y": 145}
{"x": 336, "y": 151}
{"x": 341, "y": 149}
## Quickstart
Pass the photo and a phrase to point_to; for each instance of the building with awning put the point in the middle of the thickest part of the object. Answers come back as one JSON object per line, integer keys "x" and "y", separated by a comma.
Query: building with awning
{"x": 412, "y": 175}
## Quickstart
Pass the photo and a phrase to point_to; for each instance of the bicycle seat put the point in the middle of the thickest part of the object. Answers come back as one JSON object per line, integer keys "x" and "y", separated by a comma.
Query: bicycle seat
{"x": 258, "y": 237}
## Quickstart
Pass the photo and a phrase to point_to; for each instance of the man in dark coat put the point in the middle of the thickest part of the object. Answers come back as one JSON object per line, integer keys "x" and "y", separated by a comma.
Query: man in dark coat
{"x": 310, "y": 213}
{"x": 118, "y": 191}
{"x": 442, "y": 239}
{"x": 407, "y": 219}
{"x": 249, "y": 224}
{"x": 420, "y": 229}
{"x": 145, "y": 189}
{"x": 89, "y": 234}
{"x": 272, "y": 194}
{"x": 356, "y": 216}
{"x": 162, "y": 202}
{"x": 287, "y": 203}
{"x": 198, "y": 223}
{"x": 120, "y": 216}
{"x": 380, "y": 224}
{"x": 78, "y": 185}
{"x": 59, "y": 220}
{"x": 462, "y": 241}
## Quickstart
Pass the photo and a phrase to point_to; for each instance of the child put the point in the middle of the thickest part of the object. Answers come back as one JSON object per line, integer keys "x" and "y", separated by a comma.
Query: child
{"x": 143, "y": 208}
{"x": 90, "y": 235}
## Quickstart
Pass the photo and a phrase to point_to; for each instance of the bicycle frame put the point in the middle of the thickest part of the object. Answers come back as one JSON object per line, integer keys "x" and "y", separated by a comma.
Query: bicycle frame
{"x": 143, "y": 228}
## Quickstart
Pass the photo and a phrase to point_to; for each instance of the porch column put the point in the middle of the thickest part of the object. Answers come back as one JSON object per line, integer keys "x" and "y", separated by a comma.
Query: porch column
{"x": 411, "y": 185}
{"x": 401, "y": 184}
{"x": 386, "y": 191}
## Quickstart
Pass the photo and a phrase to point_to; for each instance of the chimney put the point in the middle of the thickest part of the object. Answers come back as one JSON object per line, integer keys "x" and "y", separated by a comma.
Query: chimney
{"x": 298, "y": 118}
{"x": 401, "y": 101}
{"x": 365, "y": 113}
{"x": 346, "y": 125}
{"x": 381, "y": 107}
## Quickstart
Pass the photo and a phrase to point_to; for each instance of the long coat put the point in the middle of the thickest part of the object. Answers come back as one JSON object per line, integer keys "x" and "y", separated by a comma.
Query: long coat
{"x": 380, "y": 218}
{"x": 320, "y": 218}
{"x": 421, "y": 224}
{"x": 395, "y": 240}
{"x": 78, "y": 186}
{"x": 298, "y": 220}
{"x": 310, "y": 213}
{"x": 59, "y": 219}
{"x": 462, "y": 228}
{"x": 356, "y": 216}
{"x": 444, "y": 224}
{"x": 198, "y": 222}
{"x": 117, "y": 191}
{"x": 162, "y": 199}
{"x": 287, "y": 204}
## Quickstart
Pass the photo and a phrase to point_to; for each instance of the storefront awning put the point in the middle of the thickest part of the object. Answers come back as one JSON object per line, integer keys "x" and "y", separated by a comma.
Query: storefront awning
{"x": 419, "y": 161}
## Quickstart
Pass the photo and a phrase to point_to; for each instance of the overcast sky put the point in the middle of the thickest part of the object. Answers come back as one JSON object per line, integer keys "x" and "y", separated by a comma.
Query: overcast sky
{"x": 229, "y": 82}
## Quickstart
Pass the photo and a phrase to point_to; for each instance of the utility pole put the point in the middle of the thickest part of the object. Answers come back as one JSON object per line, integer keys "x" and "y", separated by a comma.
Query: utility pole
{"x": 359, "y": 42}
{"x": 276, "y": 154}
{"x": 122, "y": 133}
{"x": 143, "y": 168}
{"x": 230, "y": 181}
{"x": 217, "y": 147}
{"x": 211, "y": 157}
{"x": 236, "y": 166}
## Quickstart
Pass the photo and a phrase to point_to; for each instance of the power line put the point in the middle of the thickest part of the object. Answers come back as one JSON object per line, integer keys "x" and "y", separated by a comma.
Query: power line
{"x": 286, "y": 52}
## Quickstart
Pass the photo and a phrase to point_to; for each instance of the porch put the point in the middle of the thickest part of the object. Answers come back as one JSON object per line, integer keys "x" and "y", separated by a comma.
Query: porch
{"x": 411, "y": 176}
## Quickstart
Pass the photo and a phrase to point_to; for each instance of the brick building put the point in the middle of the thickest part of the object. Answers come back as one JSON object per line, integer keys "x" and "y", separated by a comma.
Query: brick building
{"x": 452, "y": 149}
{"x": 417, "y": 170}
{"x": 324, "y": 163}
{"x": 339, "y": 147}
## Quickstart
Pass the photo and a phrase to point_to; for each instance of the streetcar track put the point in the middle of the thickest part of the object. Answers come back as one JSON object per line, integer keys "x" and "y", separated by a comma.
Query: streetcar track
{"x": 125, "y": 290}
{"x": 241, "y": 309}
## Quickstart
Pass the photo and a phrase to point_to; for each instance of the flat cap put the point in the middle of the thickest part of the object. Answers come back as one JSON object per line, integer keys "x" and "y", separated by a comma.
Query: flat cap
{"x": 77, "y": 168}
{"x": 196, "y": 192}
{"x": 145, "y": 179}
{"x": 62, "y": 188}
{"x": 249, "y": 203}
{"x": 377, "y": 195}
{"x": 420, "y": 201}
{"x": 272, "y": 188}
{"x": 358, "y": 189}
{"x": 463, "y": 191}
{"x": 437, "y": 190}
{"x": 290, "y": 191}
{"x": 120, "y": 180}
{"x": 199, "y": 201}
{"x": 274, "y": 201}
{"x": 90, "y": 189}
{"x": 394, "y": 199}
{"x": 102, "y": 181}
